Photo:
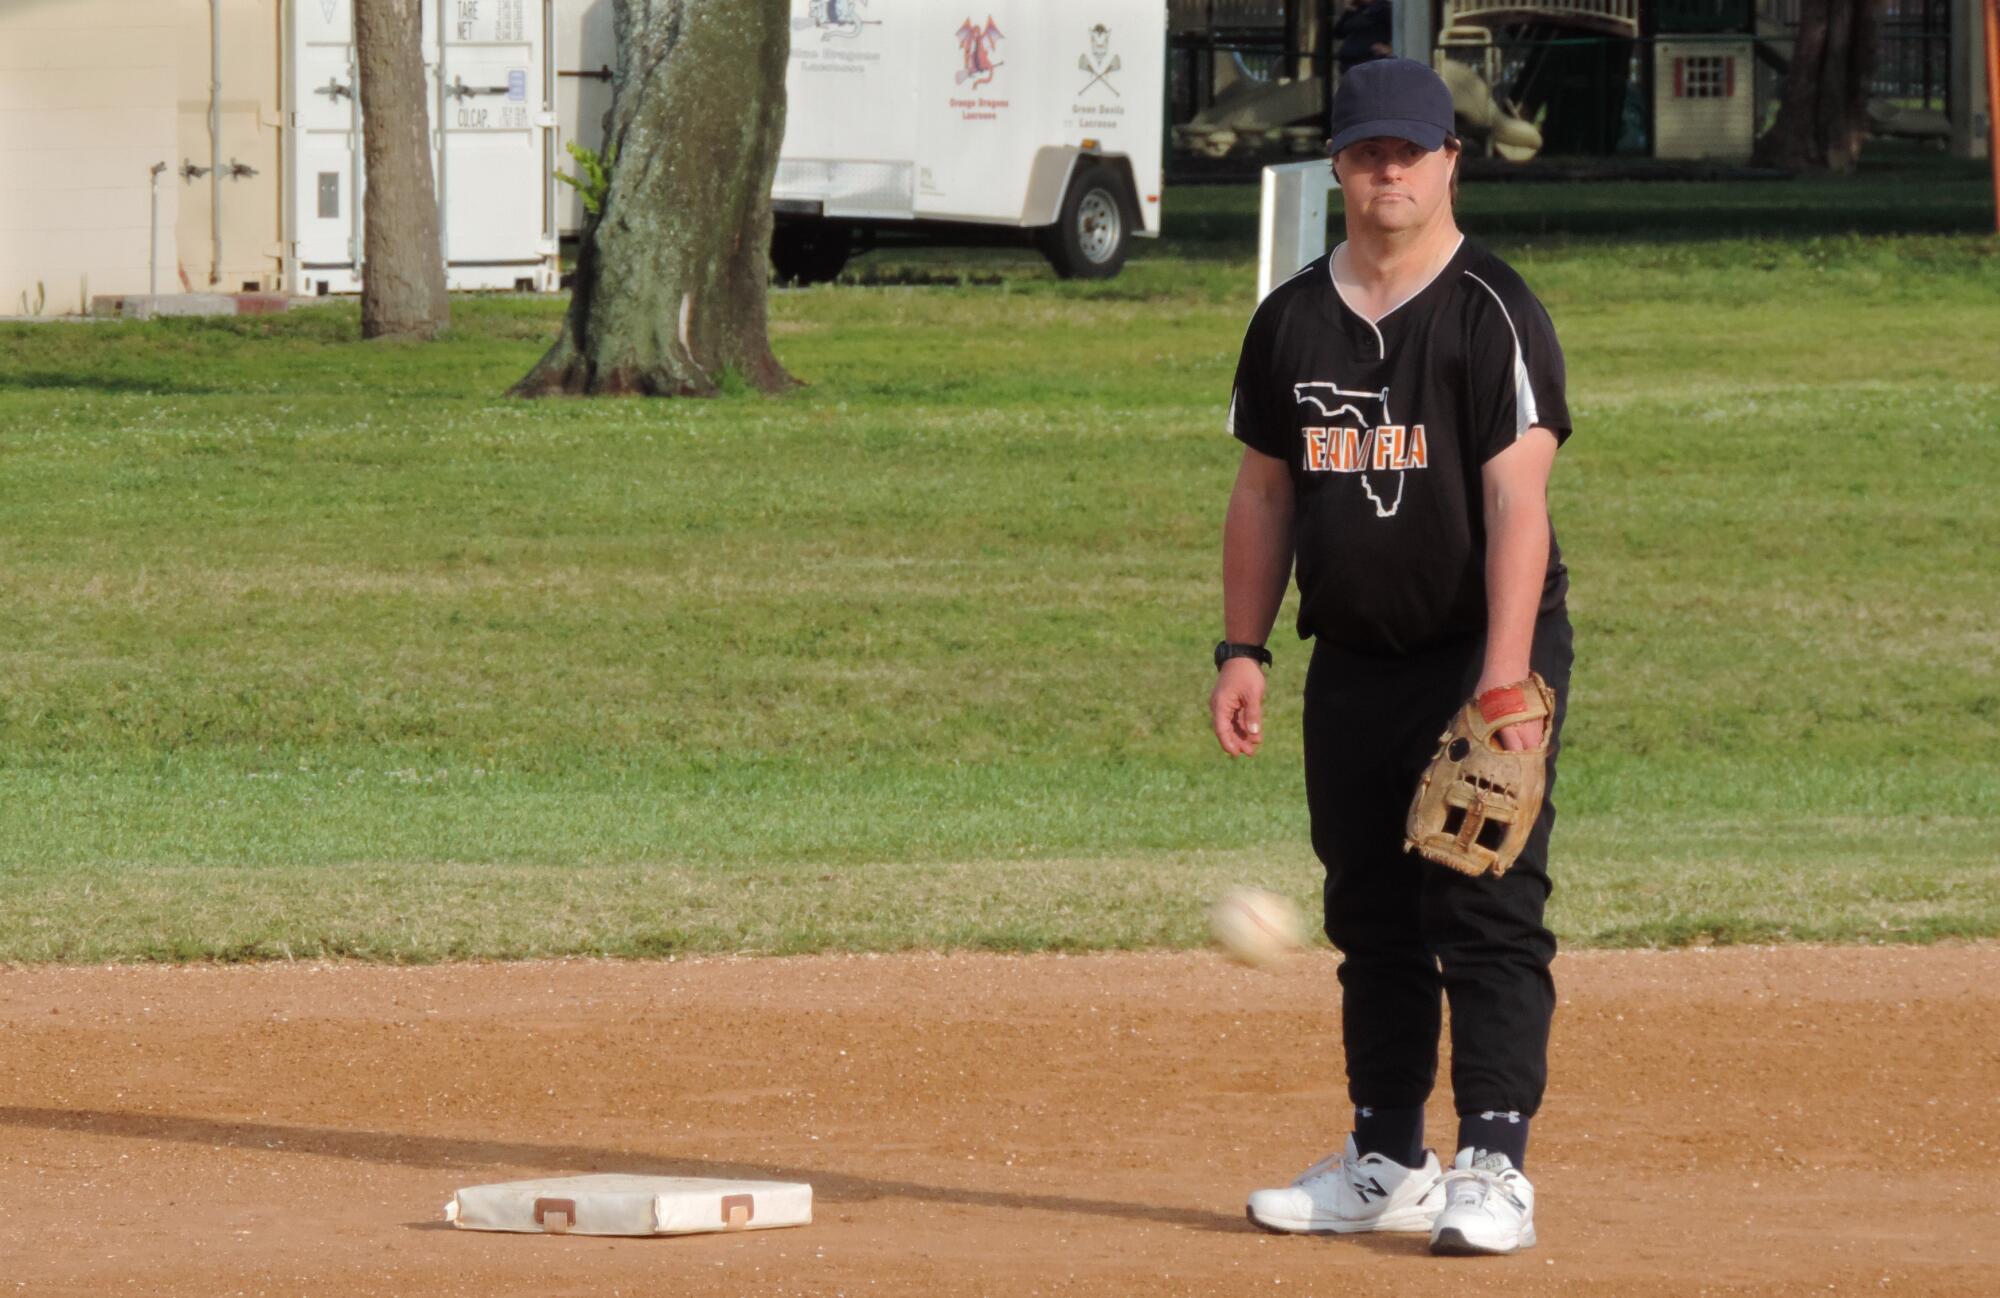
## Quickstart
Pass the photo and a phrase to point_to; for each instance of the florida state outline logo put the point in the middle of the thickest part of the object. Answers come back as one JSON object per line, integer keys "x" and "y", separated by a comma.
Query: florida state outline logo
{"x": 1350, "y": 430}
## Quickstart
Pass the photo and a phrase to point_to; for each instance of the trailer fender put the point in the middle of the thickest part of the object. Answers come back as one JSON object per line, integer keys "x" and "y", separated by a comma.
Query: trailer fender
{"x": 1048, "y": 180}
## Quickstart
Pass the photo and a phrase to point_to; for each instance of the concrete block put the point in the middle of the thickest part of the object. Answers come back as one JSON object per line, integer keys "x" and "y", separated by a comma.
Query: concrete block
{"x": 149, "y": 306}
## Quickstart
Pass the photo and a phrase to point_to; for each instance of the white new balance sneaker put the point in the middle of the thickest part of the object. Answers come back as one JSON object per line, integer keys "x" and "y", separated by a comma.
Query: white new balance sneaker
{"x": 1345, "y": 1194}
{"x": 1489, "y": 1207}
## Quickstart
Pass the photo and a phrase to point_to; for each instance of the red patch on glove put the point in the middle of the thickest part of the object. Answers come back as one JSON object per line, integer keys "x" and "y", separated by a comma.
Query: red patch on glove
{"x": 1502, "y": 700}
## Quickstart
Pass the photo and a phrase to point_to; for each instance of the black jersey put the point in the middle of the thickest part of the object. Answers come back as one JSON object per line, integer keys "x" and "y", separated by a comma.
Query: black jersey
{"x": 1385, "y": 427}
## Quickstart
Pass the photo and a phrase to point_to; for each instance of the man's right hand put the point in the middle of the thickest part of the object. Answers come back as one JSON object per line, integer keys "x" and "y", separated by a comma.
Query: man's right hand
{"x": 1236, "y": 707}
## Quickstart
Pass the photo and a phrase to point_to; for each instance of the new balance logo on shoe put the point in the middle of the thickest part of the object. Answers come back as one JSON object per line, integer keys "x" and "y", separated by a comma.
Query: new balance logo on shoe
{"x": 1349, "y": 1193}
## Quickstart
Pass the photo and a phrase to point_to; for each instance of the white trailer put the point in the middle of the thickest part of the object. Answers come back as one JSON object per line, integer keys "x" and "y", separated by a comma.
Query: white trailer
{"x": 922, "y": 116}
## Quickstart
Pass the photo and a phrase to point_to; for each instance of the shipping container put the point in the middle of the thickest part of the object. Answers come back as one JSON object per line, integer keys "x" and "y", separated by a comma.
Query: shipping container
{"x": 489, "y": 78}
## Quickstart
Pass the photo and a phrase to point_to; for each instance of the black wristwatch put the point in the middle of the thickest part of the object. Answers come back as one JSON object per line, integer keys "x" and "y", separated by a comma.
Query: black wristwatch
{"x": 1225, "y": 650}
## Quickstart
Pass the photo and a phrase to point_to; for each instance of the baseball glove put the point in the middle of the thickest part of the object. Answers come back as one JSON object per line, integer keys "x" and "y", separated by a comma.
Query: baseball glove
{"x": 1477, "y": 801}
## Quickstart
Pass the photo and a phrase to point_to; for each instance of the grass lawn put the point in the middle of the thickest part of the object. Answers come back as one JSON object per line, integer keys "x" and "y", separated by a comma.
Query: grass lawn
{"x": 311, "y": 646}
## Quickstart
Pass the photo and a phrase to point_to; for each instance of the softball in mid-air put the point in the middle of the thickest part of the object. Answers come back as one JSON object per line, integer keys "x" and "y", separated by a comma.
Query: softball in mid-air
{"x": 1255, "y": 927}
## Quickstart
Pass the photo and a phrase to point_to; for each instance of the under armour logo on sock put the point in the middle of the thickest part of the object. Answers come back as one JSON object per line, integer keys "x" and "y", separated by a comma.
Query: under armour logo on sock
{"x": 1495, "y": 1115}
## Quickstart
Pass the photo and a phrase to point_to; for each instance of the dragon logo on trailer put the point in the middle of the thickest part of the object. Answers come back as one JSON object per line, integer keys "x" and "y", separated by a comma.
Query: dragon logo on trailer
{"x": 977, "y": 44}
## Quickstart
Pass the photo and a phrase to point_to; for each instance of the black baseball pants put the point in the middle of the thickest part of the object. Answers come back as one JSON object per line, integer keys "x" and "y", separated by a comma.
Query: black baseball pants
{"x": 1413, "y": 933}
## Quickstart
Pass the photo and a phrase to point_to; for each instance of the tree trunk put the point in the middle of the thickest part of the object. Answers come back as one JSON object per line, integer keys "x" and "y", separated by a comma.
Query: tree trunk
{"x": 1850, "y": 129}
{"x": 402, "y": 273}
{"x": 1823, "y": 117}
{"x": 671, "y": 275}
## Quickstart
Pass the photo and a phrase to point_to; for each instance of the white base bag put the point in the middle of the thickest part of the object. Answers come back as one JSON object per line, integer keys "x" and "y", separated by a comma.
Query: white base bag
{"x": 617, "y": 1204}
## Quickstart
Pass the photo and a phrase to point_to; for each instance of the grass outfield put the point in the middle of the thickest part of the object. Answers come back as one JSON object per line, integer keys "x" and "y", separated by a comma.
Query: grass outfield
{"x": 311, "y": 646}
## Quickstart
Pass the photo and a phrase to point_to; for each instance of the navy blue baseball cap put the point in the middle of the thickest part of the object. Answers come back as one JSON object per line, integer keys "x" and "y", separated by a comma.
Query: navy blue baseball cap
{"x": 1401, "y": 98}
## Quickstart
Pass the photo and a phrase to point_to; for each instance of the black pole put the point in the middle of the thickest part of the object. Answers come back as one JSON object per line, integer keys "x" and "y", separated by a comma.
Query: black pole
{"x": 1926, "y": 38}
{"x": 1323, "y": 64}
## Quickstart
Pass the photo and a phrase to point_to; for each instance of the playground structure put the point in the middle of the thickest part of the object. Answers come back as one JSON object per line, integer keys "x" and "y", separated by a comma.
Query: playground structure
{"x": 1694, "y": 80}
{"x": 1672, "y": 78}
{"x": 1469, "y": 55}
{"x": 1246, "y": 107}
{"x": 1470, "y": 52}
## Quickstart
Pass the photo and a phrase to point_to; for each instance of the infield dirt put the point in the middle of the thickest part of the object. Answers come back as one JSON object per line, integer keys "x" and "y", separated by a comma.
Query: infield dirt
{"x": 1744, "y": 1121}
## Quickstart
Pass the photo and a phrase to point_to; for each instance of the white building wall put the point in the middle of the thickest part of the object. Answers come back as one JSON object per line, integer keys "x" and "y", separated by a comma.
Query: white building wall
{"x": 88, "y": 99}
{"x": 251, "y": 119}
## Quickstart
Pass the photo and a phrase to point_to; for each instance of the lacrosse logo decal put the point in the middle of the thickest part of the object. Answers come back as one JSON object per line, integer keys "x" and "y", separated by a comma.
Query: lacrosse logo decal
{"x": 1351, "y": 431}
{"x": 1099, "y": 63}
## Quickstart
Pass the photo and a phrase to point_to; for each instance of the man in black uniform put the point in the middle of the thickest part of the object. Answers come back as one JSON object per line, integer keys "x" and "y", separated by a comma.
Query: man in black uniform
{"x": 1400, "y": 402}
{"x": 1363, "y": 31}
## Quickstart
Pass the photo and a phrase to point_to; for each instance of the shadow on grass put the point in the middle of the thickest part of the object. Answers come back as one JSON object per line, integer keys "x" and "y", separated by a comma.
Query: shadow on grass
{"x": 903, "y": 276}
{"x": 1545, "y": 211}
{"x": 85, "y": 380}
{"x": 446, "y": 1153}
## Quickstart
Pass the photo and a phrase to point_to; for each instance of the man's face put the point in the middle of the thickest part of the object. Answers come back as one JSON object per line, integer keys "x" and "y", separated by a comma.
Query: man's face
{"x": 1393, "y": 184}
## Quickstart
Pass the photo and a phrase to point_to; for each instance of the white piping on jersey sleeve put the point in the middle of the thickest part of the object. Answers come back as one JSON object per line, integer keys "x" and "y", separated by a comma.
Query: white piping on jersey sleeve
{"x": 1526, "y": 415}
{"x": 1230, "y": 422}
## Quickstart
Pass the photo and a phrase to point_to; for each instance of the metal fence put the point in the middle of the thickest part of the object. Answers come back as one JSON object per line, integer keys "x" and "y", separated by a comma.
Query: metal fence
{"x": 1913, "y": 53}
{"x": 1224, "y": 15}
{"x": 1195, "y": 62}
{"x": 1912, "y": 47}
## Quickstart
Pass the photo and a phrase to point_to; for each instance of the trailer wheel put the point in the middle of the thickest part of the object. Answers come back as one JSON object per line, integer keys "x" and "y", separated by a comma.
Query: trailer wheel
{"x": 808, "y": 252}
{"x": 1093, "y": 233}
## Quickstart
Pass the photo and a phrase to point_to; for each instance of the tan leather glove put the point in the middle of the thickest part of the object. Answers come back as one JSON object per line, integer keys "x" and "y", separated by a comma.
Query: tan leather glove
{"x": 1477, "y": 802}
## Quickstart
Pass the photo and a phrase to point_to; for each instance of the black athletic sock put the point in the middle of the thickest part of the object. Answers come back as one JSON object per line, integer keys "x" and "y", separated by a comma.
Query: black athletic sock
{"x": 1498, "y": 1131}
{"x": 1396, "y": 1134}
